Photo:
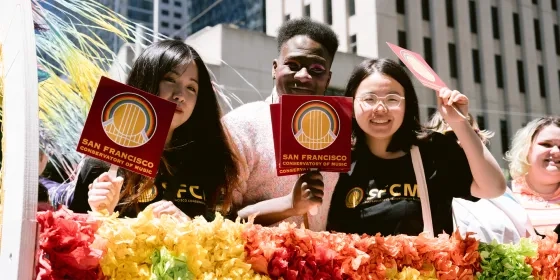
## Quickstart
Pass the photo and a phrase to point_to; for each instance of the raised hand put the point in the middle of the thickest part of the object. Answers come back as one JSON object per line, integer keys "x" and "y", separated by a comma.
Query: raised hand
{"x": 104, "y": 193}
{"x": 452, "y": 105}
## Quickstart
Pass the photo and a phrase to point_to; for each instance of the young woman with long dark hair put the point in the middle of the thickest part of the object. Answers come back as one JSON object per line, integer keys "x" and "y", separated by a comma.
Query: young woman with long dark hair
{"x": 199, "y": 167}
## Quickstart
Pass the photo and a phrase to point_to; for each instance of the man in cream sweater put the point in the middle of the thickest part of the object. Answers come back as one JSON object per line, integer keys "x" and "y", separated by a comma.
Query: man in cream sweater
{"x": 306, "y": 51}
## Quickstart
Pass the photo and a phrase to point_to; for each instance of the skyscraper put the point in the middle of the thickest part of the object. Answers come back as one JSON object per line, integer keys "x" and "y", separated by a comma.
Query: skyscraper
{"x": 81, "y": 23}
{"x": 246, "y": 14}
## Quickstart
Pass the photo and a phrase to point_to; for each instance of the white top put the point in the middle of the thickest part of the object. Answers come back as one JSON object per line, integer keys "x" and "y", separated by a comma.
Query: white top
{"x": 502, "y": 219}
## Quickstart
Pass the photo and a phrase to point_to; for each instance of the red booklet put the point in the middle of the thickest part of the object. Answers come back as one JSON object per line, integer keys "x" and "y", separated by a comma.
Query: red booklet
{"x": 126, "y": 127}
{"x": 312, "y": 133}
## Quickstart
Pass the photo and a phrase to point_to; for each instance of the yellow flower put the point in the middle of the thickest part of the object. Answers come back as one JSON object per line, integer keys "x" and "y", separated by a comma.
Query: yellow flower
{"x": 213, "y": 250}
{"x": 408, "y": 273}
{"x": 129, "y": 245}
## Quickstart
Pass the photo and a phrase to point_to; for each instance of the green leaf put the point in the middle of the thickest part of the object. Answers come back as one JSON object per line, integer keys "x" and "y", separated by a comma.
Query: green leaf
{"x": 506, "y": 261}
{"x": 165, "y": 266}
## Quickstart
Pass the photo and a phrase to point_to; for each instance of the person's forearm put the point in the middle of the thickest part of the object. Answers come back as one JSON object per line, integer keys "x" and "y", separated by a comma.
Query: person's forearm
{"x": 269, "y": 211}
{"x": 484, "y": 167}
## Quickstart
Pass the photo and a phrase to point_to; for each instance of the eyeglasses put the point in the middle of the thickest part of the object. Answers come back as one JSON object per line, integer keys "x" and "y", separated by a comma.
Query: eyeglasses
{"x": 390, "y": 100}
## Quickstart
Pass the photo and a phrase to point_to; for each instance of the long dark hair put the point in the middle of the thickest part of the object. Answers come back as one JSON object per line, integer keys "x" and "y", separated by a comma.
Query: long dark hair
{"x": 407, "y": 134}
{"x": 215, "y": 155}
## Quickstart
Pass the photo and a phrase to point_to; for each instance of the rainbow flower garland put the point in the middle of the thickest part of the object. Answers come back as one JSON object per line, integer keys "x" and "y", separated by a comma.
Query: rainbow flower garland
{"x": 77, "y": 246}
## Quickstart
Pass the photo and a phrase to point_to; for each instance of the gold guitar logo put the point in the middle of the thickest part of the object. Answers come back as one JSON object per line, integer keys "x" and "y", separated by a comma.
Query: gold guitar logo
{"x": 354, "y": 197}
{"x": 129, "y": 120}
{"x": 315, "y": 125}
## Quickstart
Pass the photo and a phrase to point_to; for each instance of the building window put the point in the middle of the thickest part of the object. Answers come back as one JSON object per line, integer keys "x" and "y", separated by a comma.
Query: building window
{"x": 307, "y": 10}
{"x": 426, "y": 10}
{"x": 263, "y": 19}
{"x": 140, "y": 16}
{"x": 476, "y": 65}
{"x": 165, "y": 1}
{"x": 176, "y": 26}
{"x": 139, "y": 4}
{"x": 536, "y": 2}
{"x": 177, "y": 4}
{"x": 177, "y": 15}
{"x": 165, "y": 12}
{"x": 400, "y": 7}
{"x": 499, "y": 71}
{"x": 542, "y": 85}
{"x": 450, "y": 13}
{"x": 402, "y": 39}
{"x": 431, "y": 112}
{"x": 351, "y": 7}
{"x": 428, "y": 51}
{"x": 328, "y": 7}
{"x": 521, "y": 76}
{"x": 536, "y": 23}
{"x": 516, "y": 29}
{"x": 472, "y": 15}
{"x": 452, "y": 60}
{"x": 553, "y": 4}
{"x": 557, "y": 39}
{"x": 481, "y": 121}
{"x": 353, "y": 44}
{"x": 402, "y": 42}
{"x": 495, "y": 23}
{"x": 164, "y": 24}
{"x": 505, "y": 137}
{"x": 559, "y": 77}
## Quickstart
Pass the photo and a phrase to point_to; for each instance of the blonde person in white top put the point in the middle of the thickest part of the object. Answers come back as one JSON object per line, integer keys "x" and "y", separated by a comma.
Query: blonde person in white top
{"x": 535, "y": 168}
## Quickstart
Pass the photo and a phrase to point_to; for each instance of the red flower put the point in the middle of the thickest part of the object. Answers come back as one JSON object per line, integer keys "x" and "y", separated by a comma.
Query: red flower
{"x": 65, "y": 250}
{"x": 294, "y": 253}
{"x": 547, "y": 263}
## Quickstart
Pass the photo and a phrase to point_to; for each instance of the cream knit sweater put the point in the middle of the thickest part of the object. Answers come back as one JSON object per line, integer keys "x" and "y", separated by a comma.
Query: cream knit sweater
{"x": 251, "y": 130}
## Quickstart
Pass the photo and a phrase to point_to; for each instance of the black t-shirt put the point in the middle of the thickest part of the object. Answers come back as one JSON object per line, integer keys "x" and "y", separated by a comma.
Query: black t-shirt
{"x": 186, "y": 188}
{"x": 380, "y": 195}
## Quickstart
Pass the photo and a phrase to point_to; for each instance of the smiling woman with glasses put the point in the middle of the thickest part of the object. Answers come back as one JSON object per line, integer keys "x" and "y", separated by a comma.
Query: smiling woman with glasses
{"x": 385, "y": 192}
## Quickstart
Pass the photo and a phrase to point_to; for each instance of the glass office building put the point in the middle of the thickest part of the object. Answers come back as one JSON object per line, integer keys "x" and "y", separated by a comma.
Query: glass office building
{"x": 246, "y": 14}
